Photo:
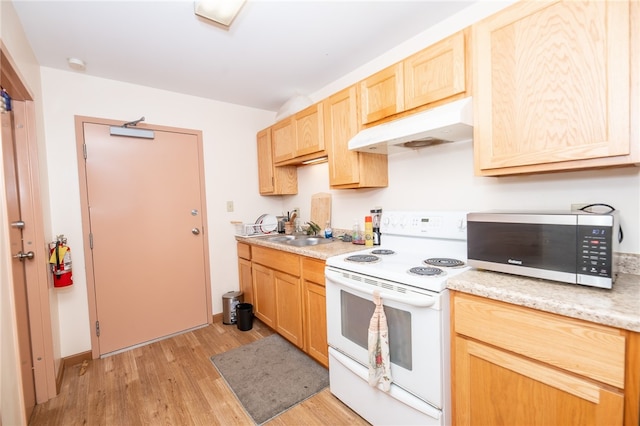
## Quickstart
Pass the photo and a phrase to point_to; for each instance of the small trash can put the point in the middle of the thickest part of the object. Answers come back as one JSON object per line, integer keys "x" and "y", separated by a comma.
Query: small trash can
{"x": 245, "y": 316}
{"x": 229, "y": 302}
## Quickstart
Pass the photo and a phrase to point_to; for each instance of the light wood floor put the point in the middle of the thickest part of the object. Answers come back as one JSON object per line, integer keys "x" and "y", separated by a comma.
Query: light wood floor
{"x": 172, "y": 382}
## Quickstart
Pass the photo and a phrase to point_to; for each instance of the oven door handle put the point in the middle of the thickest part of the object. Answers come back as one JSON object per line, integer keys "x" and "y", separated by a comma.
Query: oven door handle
{"x": 416, "y": 299}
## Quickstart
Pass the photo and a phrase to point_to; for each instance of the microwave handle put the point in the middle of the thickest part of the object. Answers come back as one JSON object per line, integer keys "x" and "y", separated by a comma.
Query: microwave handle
{"x": 419, "y": 300}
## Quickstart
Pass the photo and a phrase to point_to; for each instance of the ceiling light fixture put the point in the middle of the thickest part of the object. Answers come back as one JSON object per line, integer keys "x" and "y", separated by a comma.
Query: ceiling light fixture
{"x": 221, "y": 11}
{"x": 76, "y": 64}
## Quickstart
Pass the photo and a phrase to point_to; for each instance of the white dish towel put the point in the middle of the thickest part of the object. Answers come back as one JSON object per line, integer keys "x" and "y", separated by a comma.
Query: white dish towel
{"x": 379, "y": 363}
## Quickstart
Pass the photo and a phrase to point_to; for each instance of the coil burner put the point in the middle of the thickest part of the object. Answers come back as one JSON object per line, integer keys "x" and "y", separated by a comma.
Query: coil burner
{"x": 427, "y": 271}
{"x": 383, "y": 252}
{"x": 362, "y": 258}
{"x": 443, "y": 262}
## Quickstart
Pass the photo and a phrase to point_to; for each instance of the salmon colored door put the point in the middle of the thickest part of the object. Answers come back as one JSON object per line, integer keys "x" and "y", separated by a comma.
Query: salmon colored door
{"x": 21, "y": 255}
{"x": 145, "y": 200}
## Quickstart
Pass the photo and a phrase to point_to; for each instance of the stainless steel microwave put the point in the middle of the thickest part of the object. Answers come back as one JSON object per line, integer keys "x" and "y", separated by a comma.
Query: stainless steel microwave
{"x": 572, "y": 247}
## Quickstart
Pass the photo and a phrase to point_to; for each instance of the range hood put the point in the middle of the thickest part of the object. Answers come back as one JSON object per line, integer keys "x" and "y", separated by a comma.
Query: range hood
{"x": 451, "y": 122}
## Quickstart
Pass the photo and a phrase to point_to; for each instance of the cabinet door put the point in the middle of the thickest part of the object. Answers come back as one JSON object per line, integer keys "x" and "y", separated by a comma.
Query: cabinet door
{"x": 309, "y": 131}
{"x": 273, "y": 180}
{"x": 288, "y": 307}
{"x": 551, "y": 87}
{"x": 382, "y": 94}
{"x": 284, "y": 144}
{"x": 349, "y": 169}
{"x": 315, "y": 310}
{"x": 246, "y": 280}
{"x": 435, "y": 73}
{"x": 492, "y": 387}
{"x": 265, "y": 162}
{"x": 264, "y": 295}
{"x": 316, "y": 326}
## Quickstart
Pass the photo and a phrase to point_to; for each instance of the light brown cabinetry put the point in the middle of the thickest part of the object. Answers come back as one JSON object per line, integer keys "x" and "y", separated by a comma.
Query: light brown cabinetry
{"x": 349, "y": 169}
{"x": 288, "y": 295}
{"x": 264, "y": 294}
{"x": 552, "y": 86}
{"x": 435, "y": 73}
{"x": 382, "y": 94}
{"x": 300, "y": 137}
{"x": 309, "y": 132}
{"x": 273, "y": 180}
{"x": 432, "y": 75}
{"x": 289, "y": 307}
{"x": 277, "y": 292}
{"x": 244, "y": 272}
{"x": 514, "y": 365}
{"x": 314, "y": 310}
{"x": 284, "y": 144}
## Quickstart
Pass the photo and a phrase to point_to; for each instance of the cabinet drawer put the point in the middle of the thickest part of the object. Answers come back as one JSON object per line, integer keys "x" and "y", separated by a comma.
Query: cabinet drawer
{"x": 244, "y": 251}
{"x": 588, "y": 349}
{"x": 313, "y": 270}
{"x": 277, "y": 259}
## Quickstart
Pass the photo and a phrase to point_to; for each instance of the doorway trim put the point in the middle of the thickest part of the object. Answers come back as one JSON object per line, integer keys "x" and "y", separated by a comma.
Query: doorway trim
{"x": 40, "y": 324}
{"x": 86, "y": 228}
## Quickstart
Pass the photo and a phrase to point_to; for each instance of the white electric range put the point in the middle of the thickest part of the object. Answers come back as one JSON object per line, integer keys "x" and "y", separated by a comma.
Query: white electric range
{"x": 419, "y": 251}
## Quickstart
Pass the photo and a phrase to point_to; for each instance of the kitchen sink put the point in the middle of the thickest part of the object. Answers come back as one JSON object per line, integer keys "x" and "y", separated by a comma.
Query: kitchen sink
{"x": 281, "y": 238}
{"x": 299, "y": 240}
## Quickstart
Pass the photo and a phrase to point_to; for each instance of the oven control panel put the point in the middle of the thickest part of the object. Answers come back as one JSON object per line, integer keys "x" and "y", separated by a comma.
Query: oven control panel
{"x": 433, "y": 224}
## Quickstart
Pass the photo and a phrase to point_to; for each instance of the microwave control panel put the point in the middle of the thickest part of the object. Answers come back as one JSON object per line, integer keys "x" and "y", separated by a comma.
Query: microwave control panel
{"x": 595, "y": 253}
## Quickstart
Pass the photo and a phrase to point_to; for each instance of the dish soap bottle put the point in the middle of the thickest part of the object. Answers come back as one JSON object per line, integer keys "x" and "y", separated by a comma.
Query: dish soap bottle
{"x": 368, "y": 231}
{"x": 328, "y": 232}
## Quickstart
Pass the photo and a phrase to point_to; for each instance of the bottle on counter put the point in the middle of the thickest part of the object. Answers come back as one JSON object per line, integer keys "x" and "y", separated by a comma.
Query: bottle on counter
{"x": 328, "y": 232}
{"x": 368, "y": 231}
{"x": 376, "y": 214}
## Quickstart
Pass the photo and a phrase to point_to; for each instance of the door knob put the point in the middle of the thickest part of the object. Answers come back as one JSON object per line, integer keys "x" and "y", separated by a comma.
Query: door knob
{"x": 195, "y": 231}
{"x": 28, "y": 255}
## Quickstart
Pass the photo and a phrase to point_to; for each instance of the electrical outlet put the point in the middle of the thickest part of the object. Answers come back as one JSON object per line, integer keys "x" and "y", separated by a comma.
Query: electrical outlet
{"x": 578, "y": 206}
{"x": 296, "y": 210}
{"x": 229, "y": 206}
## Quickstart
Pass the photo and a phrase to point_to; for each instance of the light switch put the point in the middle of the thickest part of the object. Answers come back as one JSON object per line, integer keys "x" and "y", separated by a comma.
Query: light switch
{"x": 229, "y": 206}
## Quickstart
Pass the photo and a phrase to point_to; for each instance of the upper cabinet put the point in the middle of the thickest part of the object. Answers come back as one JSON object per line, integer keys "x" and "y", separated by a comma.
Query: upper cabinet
{"x": 300, "y": 137}
{"x": 382, "y": 94}
{"x": 431, "y": 75}
{"x": 273, "y": 180}
{"x": 552, "y": 87}
{"x": 284, "y": 144}
{"x": 435, "y": 73}
{"x": 349, "y": 169}
{"x": 309, "y": 130}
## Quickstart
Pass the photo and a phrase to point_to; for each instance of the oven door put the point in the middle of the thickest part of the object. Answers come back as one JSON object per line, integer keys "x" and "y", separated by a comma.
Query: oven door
{"x": 415, "y": 319}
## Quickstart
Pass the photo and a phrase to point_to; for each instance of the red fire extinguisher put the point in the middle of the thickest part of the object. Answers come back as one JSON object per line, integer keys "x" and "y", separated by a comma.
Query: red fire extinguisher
{"x": 60, "y": 262}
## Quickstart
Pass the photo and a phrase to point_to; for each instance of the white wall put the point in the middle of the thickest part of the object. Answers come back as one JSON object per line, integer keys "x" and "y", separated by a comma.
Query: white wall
{"x": 441, "y": 177}
{"x": 230, "y": 159}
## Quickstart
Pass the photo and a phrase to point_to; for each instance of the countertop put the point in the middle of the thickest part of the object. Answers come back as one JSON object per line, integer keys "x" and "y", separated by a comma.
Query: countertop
{"x": 319, "y": 251}
{"x": 618, "y": 307}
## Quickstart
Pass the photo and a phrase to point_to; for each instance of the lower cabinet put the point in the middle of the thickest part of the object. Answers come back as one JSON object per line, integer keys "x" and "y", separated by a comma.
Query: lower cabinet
{"x": 264, "y": 292}
{"x": 244, "y": 272}
{"x": 314, "y": 310}
{"x": 514, "y": 365}
{"x": 288, "y": 307}
{"x": 288, "y": 295}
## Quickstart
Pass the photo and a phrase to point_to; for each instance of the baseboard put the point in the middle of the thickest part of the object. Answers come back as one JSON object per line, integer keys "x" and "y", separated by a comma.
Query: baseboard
{"x": 69, "y": 361}
{"x": 217, "y": 317}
